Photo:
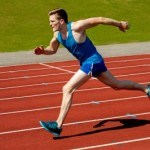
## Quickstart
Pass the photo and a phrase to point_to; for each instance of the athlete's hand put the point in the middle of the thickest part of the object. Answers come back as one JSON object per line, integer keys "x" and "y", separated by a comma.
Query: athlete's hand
{"x": 123, "y": 26}
{"x": 39, "y": 50}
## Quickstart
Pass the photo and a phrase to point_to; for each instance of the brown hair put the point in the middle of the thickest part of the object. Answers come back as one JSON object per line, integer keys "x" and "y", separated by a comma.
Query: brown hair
{"x": 62, "y": 14}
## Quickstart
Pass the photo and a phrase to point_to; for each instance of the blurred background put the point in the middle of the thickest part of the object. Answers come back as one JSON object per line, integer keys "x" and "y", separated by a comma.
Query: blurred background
{"x": 25, "y": 25}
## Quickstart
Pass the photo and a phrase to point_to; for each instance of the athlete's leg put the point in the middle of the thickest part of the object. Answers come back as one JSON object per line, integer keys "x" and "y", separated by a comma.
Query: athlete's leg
{"x": 75, "y": 82}
{"x": 108, "y": 79}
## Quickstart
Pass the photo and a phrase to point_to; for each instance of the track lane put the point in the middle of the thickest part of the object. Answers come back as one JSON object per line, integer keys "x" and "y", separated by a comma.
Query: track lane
{"x": 54, "y": 99}
{"x": 109, "y": 133}
{"x": 6, "y": 93}
{"x": 99, "y": 92}
{"x": 72, "y": 138}
{"x": 114, "y": 108}
{"x": 31, "y": 70}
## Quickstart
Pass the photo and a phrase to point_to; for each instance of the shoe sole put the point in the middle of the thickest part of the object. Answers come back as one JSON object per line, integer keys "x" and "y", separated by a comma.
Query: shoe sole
{"x": 56, "y": 135}
{"x": 148, "y": 94}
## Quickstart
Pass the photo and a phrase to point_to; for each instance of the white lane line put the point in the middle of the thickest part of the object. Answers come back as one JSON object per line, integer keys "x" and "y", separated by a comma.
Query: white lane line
{"x": 22, "y": 130}
{"x": 56, "y": 68}
{"x": 42, "y": 83}
{"x": 31, "y": 85}
{"x": 28, "y": 96}
{"x": 73, "y": 123}
{"x": 66, "y": 72}
{"x": 129, "y": 66}
{"x": 136, "y": 66}
{"x": 70, "y": 66}
{"x": 132, "y": 74}
{"x": 22, "y": 70}
{"x": 55, "y": 93}
{"x": 127, "y": 60}
{"x": 13, "y": 71}
{"x": 78, "y": 104}
{"x": 112, "y": 144}
{"x": 38, "y": 84}
{"x": 114, "y": 68}
{"x": 36, "y": 76}
{"x": 59, "y": 68}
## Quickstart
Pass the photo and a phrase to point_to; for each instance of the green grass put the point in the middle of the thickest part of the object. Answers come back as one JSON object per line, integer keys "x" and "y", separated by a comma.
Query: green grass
{"x": 24, "y": 24}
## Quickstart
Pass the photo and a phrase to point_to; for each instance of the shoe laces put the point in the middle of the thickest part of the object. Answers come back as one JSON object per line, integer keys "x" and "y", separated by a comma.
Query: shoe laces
{"x": 52, "y": 125}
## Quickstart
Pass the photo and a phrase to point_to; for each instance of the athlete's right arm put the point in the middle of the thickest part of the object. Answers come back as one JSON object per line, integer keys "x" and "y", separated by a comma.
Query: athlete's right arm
{"x": 49, "y": 50}
{"x": 52, "y": 48}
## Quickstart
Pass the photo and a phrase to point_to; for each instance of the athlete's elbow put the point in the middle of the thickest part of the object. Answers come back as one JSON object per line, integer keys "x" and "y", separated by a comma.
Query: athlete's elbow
{"x": 102, "y": 20}
{"x": 54, "y": 52}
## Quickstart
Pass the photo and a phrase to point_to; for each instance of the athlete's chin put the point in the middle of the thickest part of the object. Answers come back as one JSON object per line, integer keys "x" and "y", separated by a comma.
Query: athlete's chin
{"x": 54, "y": 30}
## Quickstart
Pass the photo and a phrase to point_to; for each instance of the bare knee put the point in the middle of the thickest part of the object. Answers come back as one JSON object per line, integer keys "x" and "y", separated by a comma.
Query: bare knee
{"x": 67, "y": 89}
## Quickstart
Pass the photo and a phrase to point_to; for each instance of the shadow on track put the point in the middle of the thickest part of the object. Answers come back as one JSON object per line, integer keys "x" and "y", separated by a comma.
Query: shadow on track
{"x": 125, "y": 123}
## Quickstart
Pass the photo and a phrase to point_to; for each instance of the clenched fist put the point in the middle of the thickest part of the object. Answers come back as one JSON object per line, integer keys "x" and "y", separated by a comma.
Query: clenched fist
{"x": 123, "y": 26}
{"x": 39, "y": 50}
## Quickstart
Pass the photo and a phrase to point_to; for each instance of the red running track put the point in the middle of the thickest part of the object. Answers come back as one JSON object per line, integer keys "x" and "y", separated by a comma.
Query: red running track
{"x": 100, "y": 117}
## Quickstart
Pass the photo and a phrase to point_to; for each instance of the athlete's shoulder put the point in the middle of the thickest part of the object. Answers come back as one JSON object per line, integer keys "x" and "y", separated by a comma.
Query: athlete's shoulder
{"x": 78, "y": 26}
{"x": 74, "y": 25}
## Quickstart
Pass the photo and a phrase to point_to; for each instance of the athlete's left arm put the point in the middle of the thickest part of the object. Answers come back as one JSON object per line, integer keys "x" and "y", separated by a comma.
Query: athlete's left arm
{"x": 82, "y": 25}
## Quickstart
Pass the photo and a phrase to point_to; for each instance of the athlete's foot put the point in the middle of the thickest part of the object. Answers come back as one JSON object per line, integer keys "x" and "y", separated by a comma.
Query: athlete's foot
{"x": 148, "y": 91}
{"x": 51, "y": 127}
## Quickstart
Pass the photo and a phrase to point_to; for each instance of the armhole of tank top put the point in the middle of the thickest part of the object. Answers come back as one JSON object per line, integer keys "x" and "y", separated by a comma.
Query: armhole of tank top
{"x": 58, "y": 37}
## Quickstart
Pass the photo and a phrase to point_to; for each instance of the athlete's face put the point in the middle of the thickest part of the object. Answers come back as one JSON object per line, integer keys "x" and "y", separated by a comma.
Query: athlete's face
{"x": 55, "y": 23}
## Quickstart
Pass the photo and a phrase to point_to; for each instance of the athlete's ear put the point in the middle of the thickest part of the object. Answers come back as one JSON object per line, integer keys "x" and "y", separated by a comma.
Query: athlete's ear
{"x": 62, "y": 21}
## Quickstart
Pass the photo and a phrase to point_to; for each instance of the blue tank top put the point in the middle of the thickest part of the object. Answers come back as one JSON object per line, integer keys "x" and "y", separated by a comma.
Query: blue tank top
{"x": 81, "y": 51}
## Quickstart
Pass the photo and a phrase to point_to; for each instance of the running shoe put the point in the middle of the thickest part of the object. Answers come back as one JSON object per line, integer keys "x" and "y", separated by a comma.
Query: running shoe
{"x": 148, "y": 91}
{"x": 52, "y": 127}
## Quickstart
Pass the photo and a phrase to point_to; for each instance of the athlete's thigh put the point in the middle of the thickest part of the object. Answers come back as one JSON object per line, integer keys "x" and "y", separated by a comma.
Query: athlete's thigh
{"x": 78, "y": 79}
{"x": 108, "y": 79}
